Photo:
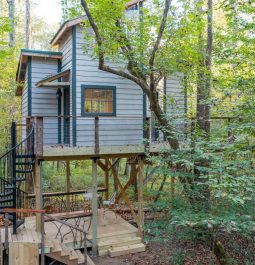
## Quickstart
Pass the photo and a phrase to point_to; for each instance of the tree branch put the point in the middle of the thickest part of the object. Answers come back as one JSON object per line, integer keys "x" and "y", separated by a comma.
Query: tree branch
{"x": 101, "y": 54}
{"x": 159, "y": 37}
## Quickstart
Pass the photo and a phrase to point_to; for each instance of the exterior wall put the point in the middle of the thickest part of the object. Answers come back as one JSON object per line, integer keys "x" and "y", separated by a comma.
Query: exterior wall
{"x": 66, "y": 47}
{"x": 127, "y": 127}
{"x": 24, "y": 104}
{"x": 43, "y": 100}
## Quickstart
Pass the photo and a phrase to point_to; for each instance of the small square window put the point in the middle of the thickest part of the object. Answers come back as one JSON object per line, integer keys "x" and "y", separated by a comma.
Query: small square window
{"x": 98, "y": 101}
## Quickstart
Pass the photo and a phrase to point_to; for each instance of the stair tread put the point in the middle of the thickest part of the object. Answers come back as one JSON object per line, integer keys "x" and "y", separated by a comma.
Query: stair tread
{"x": 56, "y": 246}
{"x": 9, "y": 193}
{"x": 69, "y": 252}
{"x": 6, "y": 200}
{"x": 114, "y": 241}
{"x": 118, "y": 251}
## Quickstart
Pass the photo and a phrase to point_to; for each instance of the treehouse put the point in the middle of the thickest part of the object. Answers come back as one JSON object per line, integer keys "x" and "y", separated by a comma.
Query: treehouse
{"x": 71, "y": 110}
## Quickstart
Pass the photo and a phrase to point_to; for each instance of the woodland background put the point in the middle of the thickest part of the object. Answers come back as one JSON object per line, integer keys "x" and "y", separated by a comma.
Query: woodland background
{"x": 202, "y": 195}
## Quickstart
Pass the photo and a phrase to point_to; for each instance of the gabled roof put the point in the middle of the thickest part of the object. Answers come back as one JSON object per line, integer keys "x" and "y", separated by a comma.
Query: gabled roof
{"x": 70, "y": 23}
{"x": 21, "y": 71}
{"x": 64, "y": 27}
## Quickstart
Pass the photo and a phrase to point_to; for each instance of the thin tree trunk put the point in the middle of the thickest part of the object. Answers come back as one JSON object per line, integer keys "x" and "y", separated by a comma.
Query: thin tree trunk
{"x": 11, "y": 10}
{"x": 28, "y": 25}
{"x": 204, "y": 73}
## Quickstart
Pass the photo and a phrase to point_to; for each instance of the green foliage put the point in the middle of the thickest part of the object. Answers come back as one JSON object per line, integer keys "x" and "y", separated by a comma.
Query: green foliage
{"x": 71, "y": 9}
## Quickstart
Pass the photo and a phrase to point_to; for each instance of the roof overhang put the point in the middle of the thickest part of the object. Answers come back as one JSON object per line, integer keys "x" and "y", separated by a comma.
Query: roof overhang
{"x": 65, "y": 27}
{"x": 47, "y": 82}
{"x": 22, "y": 66}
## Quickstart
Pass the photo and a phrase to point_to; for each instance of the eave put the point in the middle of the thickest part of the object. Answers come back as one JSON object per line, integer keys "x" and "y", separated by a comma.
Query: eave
{"x": 24, "y": 55}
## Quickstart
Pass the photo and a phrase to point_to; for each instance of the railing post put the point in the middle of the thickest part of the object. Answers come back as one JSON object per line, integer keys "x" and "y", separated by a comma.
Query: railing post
{"x": 147, "y": 134}
{"x": 6, "y": 224}
{"x": 97, "y": 135}
{"x": 85, "y": 249}
{"x": 42, "y": 240}
{"x": 39, "y": 136}
{"x": 14, "y": 143}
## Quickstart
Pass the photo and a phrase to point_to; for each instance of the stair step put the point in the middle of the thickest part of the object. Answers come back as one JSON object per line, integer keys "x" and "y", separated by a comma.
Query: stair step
{"x": 24, "y": 156}
{"x": 9, "y": 193}
{"x": 9, "y": 187}
{"x": 20, "y": 179}
{"x": 6, "y": 206}
{"x": 118, "y": 251}
{"x": 80, "y": 257}
{"x": 106, "y": 244}
{"x": 20, "y": 171}
{"x": 25, "y": 163}
{"x": 6, "y": 200}
{"x": 69, "y": 252}
{"x": 56, "y": 246}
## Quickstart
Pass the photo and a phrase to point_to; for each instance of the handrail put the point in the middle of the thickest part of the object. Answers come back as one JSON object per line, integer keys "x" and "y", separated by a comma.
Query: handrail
{"x": 50, "y": 217}
{"x": 19, "y": 144}
{"x": 11, "y": 210}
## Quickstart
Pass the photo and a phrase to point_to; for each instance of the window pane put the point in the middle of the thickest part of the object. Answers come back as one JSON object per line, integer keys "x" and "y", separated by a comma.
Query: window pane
{"x": 87, "y": 106}
{"x": 98, "y": 101}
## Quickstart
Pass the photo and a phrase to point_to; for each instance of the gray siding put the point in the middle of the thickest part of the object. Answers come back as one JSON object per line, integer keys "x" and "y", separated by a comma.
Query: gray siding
{"x": 24, "y": 105}
{"x": 127, "y": 127}
{"x": 66, "y": 48}
{"x": 44, "y": 102}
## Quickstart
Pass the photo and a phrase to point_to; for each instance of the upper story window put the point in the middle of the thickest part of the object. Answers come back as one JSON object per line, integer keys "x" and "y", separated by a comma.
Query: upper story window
{"x": 98, "y": 101}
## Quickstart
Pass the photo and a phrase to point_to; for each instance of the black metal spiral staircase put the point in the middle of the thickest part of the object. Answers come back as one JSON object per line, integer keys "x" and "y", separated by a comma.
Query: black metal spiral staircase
{"x": 16, "y": 166}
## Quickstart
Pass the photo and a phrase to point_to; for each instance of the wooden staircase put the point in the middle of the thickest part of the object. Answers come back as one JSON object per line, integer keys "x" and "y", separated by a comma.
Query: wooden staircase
{"x": 120, "y": 246}
{"x": 67, "y": 255}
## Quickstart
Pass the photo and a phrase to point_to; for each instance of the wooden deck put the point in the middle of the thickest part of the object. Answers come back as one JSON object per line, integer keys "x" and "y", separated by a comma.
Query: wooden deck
{"x": 110, "y": 227}
{"x": 57, "y": 152}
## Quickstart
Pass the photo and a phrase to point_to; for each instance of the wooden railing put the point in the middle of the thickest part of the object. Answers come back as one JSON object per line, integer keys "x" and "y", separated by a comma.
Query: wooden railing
{"x": 44, "y": 217}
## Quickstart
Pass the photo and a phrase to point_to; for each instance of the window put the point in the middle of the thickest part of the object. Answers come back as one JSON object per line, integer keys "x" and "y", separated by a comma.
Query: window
{"x": 98, "y": 100}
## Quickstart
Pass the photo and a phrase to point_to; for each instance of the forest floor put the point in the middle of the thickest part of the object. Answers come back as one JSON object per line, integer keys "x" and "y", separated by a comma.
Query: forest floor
{"x": 183, "y": 251}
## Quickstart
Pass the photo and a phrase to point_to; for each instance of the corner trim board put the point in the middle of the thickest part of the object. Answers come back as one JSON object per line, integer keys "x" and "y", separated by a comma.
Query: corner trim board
{"x": 29, "y": 86}
{"x": 59, "y": 107}
{"x": 74, "y": 121}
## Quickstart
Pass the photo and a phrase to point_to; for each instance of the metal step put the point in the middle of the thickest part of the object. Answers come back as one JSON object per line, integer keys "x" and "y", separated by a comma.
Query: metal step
{"x": 24, "y": 156}
{"x": 20, "y": 179}
{"x": 9, "y": 193}
{"x": 6, "y": 200}
{"x": 6, "y": 206}
{"x": 25, "y": 163}
{"x": 20, "y": 171}
{"x": 9, "y": 187}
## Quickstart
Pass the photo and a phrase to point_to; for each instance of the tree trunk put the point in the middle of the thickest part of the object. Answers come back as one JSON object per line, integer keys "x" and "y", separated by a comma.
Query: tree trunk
{"x": 11, "y": 10}
{"x": 28, "y": 25}
{"x": 204, "y": 74}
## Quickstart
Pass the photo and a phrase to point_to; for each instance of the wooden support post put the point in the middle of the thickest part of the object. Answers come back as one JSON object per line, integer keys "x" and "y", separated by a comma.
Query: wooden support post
{"x": 147, "y": 134}
{"x": 107, "y": 179}
{"x": 38, "y": 193}
{"x": 140, "y": 194}
{"x": 94, "y": 206}
{"x": 39, "y": 137}
{"x": 68, "y": 185}
{"x": 96, "y": 135}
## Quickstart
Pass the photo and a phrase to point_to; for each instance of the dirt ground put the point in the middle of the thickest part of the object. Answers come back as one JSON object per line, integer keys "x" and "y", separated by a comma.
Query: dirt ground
{"x": 159, "y": 254}
{"x": 187, "y": 252}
